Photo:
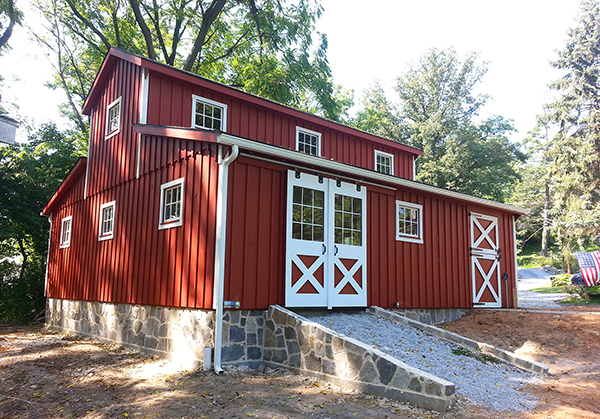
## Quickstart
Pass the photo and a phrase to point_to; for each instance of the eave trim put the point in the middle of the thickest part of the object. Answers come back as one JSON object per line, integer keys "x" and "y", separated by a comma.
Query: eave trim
{"x": 284, "y": 153}
{"x": 73, "y": 175}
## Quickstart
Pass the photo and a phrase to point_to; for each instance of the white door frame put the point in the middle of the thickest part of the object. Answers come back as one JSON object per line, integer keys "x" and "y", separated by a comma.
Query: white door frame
{"x": 326, "y": 254}
{"x": 485, "y": 247}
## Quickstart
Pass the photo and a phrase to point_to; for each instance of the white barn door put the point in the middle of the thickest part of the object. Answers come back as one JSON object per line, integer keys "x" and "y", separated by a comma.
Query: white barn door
{"x": 326, "y": 249}
{"x": 485, "y": 261}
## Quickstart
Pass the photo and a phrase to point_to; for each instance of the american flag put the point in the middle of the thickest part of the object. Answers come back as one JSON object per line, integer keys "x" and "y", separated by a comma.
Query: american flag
{"x": 589, "y": 265}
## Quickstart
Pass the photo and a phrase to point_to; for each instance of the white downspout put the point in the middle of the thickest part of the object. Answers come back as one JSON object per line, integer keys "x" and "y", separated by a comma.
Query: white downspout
{"x": 221, "y": 231}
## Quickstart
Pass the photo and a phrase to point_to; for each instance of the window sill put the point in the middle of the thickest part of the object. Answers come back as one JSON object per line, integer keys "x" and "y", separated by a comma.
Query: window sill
{"x": 408, "y": 239}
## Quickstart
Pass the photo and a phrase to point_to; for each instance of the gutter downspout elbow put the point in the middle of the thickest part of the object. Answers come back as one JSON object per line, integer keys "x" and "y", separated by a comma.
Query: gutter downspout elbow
{"x": 221, "y": 232}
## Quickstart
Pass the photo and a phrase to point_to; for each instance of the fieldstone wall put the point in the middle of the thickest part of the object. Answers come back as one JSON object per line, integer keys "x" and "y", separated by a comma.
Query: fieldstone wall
{"x": 310, "y": 349}
{"x": 243, "y": 337}
{"x": 432, "y": 315}
{"x": 168, "y": 332}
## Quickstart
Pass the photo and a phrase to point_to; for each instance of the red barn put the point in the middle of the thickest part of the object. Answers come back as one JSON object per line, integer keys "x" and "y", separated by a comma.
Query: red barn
{"x": 195, "y": 195}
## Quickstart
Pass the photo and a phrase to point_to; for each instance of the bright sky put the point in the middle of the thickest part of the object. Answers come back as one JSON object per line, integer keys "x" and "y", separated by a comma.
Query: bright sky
{"x": 376, "y": 39}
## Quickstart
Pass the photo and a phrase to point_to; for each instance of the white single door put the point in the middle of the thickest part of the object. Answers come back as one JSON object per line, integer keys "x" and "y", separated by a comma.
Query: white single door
{"x": 326, "y": 249}
{"x": 485, "y": 261}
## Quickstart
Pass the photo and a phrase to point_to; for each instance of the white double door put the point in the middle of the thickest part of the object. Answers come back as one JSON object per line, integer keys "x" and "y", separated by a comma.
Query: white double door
{"x": 326, "y": 249}
{"x": 485, "y": 261}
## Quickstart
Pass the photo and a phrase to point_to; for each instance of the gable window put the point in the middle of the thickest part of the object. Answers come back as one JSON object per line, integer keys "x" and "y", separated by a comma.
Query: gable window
{"x": 384, "y": 162}
{"x": 65, "y": 231}
{"x": 107, "y": 221}
{"x": 113, "y": 119}
{"x": 308, "y": 142}
{"x": 409, "y": 222}
{"x": 171, "y": 204}
{"x": 209, "y": 114}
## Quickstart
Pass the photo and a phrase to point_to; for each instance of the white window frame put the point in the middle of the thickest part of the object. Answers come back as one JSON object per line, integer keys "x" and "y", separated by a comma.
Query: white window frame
{"x": 107, "y": 235}
{"x": 309, "y": 132}
{"x": 385, "y": 155}
{"x": 64, "y": 243}
{"x": 196, "y": 98}
{"x": 416, "y": 238}
{"x": 174, "y": 222}
{"x": 115, "y": 103}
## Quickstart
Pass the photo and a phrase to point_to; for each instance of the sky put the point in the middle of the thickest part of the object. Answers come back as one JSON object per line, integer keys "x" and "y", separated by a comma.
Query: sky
{"x": 378, "y": 39}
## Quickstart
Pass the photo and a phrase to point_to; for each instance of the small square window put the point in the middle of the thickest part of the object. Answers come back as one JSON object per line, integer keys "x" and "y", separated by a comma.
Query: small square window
{"x": 107, "y": 221}
{"x": 409, "y": 222}
{"x": 65, "y": 231}
{"x": 113, "y": 119}
{"x": 308, "y": 142}
{"x": 384, "y": 162}
{"x": 171, "y": 204}
{"x": 209, "y": 114}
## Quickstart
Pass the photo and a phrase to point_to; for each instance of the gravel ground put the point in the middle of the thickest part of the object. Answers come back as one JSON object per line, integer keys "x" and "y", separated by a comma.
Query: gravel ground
{"x": 490, "y": 384}
{"x": 537, "y": 300}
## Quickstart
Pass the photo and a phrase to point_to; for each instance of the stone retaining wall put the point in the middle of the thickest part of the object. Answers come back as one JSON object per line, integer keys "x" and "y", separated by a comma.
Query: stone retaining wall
{"x": 432, "y": 315}
{"x": 310, "y": 349}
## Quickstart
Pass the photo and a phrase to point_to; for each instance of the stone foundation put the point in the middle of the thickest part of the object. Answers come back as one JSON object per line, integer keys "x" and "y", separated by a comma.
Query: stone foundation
{"x": 275, "y": 338}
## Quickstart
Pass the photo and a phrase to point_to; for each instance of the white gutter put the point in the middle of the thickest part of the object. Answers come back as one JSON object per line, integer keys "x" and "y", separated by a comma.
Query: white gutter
{"x": 335, "y": 166}
{"x": 221, "y": 231}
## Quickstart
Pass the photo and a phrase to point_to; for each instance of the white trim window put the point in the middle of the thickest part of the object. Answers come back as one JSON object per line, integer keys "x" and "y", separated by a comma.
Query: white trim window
{"x": 208, "y": 114}
{"x": 107, "y": 221}
{"x": 65, "y": 231}
{"x": 384, "y": 162}
{"x": 409, "y": 222}
{"x": 308, "y": 141}
{"x": 113, "y": 119}
{"x": 171, "y": 204}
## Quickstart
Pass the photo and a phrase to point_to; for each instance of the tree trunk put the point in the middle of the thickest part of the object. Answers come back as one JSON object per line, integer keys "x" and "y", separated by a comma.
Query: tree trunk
{"x": 546, "y": 222}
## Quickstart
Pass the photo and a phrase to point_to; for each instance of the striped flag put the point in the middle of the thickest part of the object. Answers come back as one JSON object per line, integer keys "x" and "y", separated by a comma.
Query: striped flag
{"x": 589, "y": 265}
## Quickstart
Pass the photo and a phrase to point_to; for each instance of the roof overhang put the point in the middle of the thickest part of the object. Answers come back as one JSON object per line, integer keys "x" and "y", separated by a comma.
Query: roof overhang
{"x": 73, "y": 175}
{"x": 281, "y": 153}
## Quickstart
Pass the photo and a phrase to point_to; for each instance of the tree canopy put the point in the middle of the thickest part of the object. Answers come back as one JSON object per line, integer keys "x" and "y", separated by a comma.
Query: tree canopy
{"x": 573, "y": 154}
{"x": 29, "y": 174}
{"x": 267, "y": 47}
{"x": 9, "y": 17}
{"x": 435, "y": 113}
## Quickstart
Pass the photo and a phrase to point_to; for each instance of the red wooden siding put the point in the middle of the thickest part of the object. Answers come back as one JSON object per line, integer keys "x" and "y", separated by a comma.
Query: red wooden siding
{"x": 141, "y": 264}
{"x": 113, "y": 161}
{"x": 435, "y": 274}
{"x": 255, "y": 257}
{"x": 252, "y": 121}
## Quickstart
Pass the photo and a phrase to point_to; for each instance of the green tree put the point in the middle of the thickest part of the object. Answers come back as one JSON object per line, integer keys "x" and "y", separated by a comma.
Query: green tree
{"x": 270, "y": 47}
{"x": 574, "y": 152}
{"x": 9, "y": 17}
{"x": 29, "y": 174}
{"x": 435, "y": 113}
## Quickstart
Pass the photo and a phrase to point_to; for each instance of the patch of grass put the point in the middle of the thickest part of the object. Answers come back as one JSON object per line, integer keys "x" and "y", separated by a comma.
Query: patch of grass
{"x": 581, "y": 302}
{"x": 480, "y": 356}
{"x": 562, "y": 289}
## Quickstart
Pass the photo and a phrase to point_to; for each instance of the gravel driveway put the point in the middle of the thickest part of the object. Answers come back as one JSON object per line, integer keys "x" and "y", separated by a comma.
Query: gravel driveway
{"x": 534, "y": 278}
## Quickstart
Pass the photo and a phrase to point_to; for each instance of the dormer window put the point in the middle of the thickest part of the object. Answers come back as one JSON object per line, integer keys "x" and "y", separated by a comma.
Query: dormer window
{"x": 113, "y": 119}
{"x": 308, "y": 142}
{"x": 384, "y": 162}
{"x": 208, "y": 114}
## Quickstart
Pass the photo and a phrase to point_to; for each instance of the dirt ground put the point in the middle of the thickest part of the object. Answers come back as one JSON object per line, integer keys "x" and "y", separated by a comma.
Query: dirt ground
{"x": 47, "y": 375}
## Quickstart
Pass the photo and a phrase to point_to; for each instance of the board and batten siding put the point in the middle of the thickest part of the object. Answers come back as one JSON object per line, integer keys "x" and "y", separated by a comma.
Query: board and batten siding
{"x": 435, "y": 274}
{"x": 113, "y": 160}
{"x": 142, "y": 264}
{"x": 251, "y": 121}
